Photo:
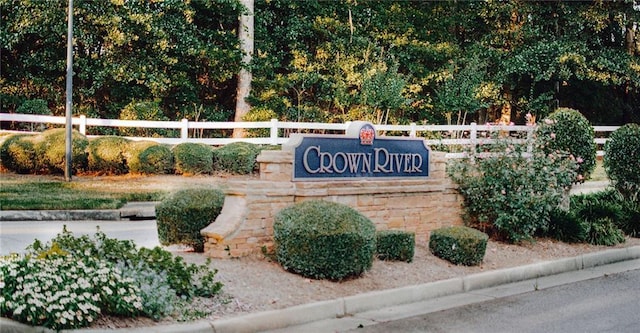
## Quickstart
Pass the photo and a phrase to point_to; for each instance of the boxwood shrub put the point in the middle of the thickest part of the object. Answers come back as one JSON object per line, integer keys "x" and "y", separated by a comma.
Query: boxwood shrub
{"x": 237, "y": 157}
{"x": 395, "y": 245}
{"x": 51, "y": 150}
{"x": 459, "y": 245}
{"x": 193, "y": 158}
{"x": 107, "y": 154}
{"x": 17, "y": 153}
{"x": 324, "y": 240}
{"x": 622, "y": 160}
{"x": 149, "y": 157}
{"x": 182, "y": 215}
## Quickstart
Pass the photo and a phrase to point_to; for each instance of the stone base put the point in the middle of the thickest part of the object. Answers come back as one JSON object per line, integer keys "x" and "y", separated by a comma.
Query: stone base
{"x": 245, "y": 224}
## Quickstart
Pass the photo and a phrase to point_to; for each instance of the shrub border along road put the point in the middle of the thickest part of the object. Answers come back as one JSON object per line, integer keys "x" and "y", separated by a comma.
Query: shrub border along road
{"x": 349, "y": 312}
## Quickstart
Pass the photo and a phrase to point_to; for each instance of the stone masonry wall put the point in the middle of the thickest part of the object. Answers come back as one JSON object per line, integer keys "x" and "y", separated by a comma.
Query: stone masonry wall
{"x": 245, "y": 224}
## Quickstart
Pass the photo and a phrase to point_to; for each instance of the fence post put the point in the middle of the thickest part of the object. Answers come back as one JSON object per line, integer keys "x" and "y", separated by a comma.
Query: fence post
{"x": 273, "y": 133}
{"x": 82, "y": 127}
{"x": 412, "y": 133}
{"x": 473, "y": 135}
{"x": 530, "y": 130}
{"x": 184, "y": 130}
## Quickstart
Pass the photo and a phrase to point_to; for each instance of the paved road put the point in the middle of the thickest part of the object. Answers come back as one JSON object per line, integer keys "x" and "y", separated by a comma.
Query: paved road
{"x": 15, "y": 236}
{"x": 606, "y": 304}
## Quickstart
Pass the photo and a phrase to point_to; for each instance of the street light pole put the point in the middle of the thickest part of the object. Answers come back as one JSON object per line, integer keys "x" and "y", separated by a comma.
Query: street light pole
{"x": 69, "y": 104}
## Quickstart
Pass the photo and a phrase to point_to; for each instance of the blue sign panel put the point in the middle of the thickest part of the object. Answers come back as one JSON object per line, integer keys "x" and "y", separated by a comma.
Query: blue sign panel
{"x": 364, "y": 156}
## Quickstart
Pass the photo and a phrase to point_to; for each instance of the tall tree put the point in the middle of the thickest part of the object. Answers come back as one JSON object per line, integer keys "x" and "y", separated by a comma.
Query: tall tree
{"x": 245, "y": 35}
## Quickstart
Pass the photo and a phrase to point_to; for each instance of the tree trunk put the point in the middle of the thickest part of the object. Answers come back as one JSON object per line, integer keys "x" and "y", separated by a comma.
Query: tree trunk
{"x": 245, "y": 35}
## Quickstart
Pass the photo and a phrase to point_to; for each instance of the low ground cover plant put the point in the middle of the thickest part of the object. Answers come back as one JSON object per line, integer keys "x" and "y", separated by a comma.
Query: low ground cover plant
{"x": 324, "y": 240}
{"x": 71, "y": 281}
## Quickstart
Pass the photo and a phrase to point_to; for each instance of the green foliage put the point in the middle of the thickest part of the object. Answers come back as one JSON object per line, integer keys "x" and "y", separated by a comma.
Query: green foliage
{"x": 34, "y": 106}
{"x": 70, "y": 281}
{"x": 324, "y": 240}
{"x": 600, "y": 212}
{"x": 107, "y": 154}
{"x": 143, "y": 111}
{"x": 459, "y": 245}
{"x": 181, "y": 216}
{"x": 51, "y": 151}
{"x": 622, "y": 160}
{"x": 149, "y": 157}
{"x": 395, "y": 245}
{"x": 567, "y": 227}
{"x": 17, "y": 153}
{"x": 509, "y": 193}
{"x": 569, "y": 131}
{"x": 193, "y": 158}
{"x": 237, "y": 158}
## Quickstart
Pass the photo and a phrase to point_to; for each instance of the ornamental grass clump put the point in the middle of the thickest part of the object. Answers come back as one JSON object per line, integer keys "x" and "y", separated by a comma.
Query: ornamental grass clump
{"x": 324, "y": 240}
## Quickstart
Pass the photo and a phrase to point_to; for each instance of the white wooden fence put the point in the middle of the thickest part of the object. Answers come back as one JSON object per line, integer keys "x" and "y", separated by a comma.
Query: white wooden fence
{"x": 435, "y": 135}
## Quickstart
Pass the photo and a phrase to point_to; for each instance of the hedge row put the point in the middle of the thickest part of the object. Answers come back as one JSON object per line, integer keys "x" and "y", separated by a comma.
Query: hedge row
{"x": 44, "y": 153}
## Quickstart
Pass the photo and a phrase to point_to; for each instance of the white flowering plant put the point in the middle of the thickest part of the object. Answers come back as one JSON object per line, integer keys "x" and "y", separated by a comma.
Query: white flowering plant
{"x": 71, "y": 281}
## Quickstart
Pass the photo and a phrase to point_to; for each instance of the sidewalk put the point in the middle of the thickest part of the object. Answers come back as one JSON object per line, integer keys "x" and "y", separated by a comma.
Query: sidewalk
{"x": 366, "y": 309}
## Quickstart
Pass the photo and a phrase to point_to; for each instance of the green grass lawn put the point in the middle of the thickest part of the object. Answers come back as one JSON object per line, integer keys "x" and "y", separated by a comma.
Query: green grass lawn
{"x": 36, "y": 194}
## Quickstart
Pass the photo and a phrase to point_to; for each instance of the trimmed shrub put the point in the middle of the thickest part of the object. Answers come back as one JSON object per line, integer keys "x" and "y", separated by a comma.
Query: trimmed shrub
{"x": 107, "y": 154}
{"x": 237, "y": 158}
{"x": 324, "y": 240}
{"x": 149, "y": 157}
{"x": 51, "y": 150}
{"x": 569, "y": 131}
{"x": 622, "y": 160}
{"x": 193, "y": 158}
{"x": 395, "y": 245}
{"x": 181, "y": 216}
{"x": 18, "y": 154}
{"x": 459, "y": 245}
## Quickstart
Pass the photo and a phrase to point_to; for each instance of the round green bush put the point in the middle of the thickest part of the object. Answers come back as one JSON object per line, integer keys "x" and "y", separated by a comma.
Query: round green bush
{"x": 182, "y": 215}
{"x": 324, "y": 240}
{"x": 622, "y": 160}
{"x": 149, "y": 157}
{"x": 193, "y": 158}
{"x": 568, "y": 130}
{"x": 395, "y": 245}
{"x": 237, "y": 157}
{"x": 17, "y": 153}
{"x": 459, "y": 245}
{"x": 107, "y": 154}
{"x": 51, "y": 151}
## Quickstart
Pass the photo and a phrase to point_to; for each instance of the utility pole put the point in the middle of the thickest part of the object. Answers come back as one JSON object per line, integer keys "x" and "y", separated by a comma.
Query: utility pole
{"x": 69, "y": 104}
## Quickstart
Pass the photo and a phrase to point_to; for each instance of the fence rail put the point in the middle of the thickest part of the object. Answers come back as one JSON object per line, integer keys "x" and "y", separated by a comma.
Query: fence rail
{"x": 435, "y": 135}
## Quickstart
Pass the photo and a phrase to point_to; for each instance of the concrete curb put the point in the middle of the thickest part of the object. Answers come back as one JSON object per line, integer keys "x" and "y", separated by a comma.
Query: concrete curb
{"x": 351, "y": 305}
{"x": 131, "y": 210}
